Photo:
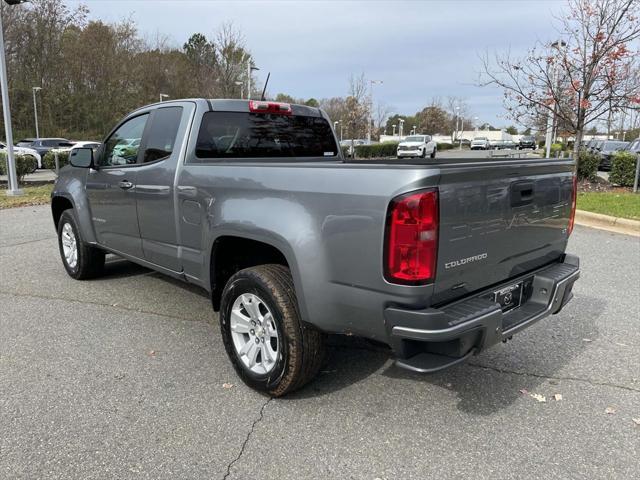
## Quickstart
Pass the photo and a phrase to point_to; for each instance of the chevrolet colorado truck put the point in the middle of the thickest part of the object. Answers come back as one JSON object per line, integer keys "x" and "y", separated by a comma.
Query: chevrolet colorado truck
{"x": 254, "y": 202}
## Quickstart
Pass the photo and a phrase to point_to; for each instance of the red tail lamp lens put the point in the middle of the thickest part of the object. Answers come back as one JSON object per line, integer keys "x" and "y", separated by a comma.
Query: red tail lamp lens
{"x": 412, "y": 238}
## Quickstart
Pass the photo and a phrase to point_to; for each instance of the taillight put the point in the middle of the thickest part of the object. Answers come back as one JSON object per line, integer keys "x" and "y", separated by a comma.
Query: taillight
{"x": 574, "y": 195}
{"x": 411, "y": 247}
{"x": 269, "y": 107}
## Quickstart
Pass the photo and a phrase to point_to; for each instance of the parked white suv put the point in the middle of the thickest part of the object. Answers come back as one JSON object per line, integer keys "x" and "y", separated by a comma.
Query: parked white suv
{"x": 480, "y": 143}
{"x": 417, "y": 146}
{"x": 23, "y": 151}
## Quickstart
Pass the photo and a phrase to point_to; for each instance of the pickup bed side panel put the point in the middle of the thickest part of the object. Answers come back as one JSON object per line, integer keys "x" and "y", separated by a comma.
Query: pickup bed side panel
{"x": 324, "y": 218}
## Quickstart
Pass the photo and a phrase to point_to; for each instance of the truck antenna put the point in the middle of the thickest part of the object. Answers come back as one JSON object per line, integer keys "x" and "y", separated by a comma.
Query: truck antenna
{"x": 265, "y": 86}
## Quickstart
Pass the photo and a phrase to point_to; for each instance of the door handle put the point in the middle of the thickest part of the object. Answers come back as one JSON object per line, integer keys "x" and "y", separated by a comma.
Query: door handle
{"x": 125, "y": 185}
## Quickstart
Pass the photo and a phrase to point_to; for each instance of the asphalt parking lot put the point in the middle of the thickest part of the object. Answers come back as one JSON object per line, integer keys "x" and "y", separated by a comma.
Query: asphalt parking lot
{"x": 126, "y": 377}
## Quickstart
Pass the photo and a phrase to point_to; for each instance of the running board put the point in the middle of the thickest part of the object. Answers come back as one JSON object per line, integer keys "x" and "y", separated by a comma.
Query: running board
{"x": 431, "y": 362}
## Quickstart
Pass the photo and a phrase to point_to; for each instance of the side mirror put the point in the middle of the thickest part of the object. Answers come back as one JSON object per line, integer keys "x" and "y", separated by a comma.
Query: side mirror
{"x": 81, "y": 157}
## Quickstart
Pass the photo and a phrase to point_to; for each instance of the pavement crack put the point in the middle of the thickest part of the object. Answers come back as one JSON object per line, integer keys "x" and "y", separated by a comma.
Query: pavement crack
{"x": 27, "y": 242}
{"x": 246, "y": 440}
{"x": 551, "y": 377}
{"x": 98, "y": 304}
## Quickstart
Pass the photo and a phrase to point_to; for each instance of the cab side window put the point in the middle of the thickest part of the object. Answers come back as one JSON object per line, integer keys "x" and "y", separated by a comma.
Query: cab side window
{"x": 122, "y": 147}
{"x": 161, "y": 135}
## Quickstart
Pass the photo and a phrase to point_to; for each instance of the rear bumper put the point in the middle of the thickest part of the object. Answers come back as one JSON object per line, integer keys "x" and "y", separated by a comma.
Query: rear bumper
{"x": 435, "y": 338}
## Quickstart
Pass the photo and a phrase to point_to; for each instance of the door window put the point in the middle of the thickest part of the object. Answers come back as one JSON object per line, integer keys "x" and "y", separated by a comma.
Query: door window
{"x": 162, "y": 133}
{"x": 121, "y": 148}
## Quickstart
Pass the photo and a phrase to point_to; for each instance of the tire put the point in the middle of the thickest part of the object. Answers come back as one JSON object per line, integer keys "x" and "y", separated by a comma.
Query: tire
{"x": 433, "y": 154}
{"x": 424, "y": 153}
{"x": 300, "y": 348}
{"x": 89, "y": 261}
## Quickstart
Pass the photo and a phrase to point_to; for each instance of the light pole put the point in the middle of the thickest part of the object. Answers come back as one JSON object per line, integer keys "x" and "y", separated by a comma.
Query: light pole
{"x": 371, "y": 84}
{"x": 12, "y": 187}
{"x": 163, "y": 96}
{"x": 341, "y": 124}
{"x": 240, "y": 84}
{"x": 400, "y": 127}
{"x": 457, "y": 120}
{"x": 250, "y": 68}
{"x": 394, "y": 131}
{"x": 475, "y": 121}
{"x": 413, "y": 132}
{"x": 558, "y": 44}
{"x": 35, "y": 109}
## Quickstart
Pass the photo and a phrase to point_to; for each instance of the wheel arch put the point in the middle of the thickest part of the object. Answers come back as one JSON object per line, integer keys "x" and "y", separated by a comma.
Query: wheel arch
{"x": 231, "y": 253}
{"x": 59, "y": 204}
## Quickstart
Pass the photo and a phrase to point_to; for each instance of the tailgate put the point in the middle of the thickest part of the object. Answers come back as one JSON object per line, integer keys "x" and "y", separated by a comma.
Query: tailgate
{"x": 499, "y": 220}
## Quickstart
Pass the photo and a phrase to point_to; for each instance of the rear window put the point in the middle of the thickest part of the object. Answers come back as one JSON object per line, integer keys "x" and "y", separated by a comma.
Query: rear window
{"x": 248, "y": 135}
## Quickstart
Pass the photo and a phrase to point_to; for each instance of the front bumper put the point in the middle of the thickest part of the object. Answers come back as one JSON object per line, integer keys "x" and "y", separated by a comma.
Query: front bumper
{"x": 409, "y": 153}
{"x": 435, "y": 338}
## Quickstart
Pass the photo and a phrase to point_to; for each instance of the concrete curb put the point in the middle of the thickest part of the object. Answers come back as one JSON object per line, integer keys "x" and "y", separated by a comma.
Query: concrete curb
{"x": 609, "y": 223}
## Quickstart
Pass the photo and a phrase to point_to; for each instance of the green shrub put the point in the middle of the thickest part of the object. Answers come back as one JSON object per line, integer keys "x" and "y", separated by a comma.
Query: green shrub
{"x": 445, "y": 146}
{"x": 24, "y": 164}
{"x": 587, "y": 165}
{"x": 623, "y": 168}
{"x": 556, "y": 148}
{"x": 377, "y": 150}
{"x": 49, "y": 160}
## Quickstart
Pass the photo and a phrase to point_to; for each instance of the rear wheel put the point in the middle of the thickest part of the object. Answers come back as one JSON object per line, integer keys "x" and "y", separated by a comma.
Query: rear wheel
{"x": 80, "y": 260}
{"x": 270, "y": 347}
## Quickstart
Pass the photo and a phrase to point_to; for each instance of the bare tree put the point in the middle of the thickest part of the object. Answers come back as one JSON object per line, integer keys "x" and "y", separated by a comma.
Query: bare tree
{"x": 591, "y": 70}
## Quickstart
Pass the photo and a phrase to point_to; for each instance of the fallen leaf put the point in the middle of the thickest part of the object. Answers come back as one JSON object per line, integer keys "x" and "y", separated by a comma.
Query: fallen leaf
{"x": 228, "y": 385}
{"x": 151, "y": 353}
{"x": 636, "y": 420}
{"x": 524, "y": 391}
{"x": 609, "y": 410}
{"x": 538, "y": 397}
{"x": 557, "y": 397}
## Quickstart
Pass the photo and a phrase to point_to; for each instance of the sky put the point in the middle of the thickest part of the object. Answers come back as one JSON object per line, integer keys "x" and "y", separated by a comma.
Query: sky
{"x": 419, "y": 49}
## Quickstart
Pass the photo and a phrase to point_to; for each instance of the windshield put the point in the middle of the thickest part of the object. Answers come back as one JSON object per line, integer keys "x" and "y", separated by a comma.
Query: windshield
{"x": 613, "y": 145}
{"x": 247, "y": 135}
{"x": 414, "y": 139}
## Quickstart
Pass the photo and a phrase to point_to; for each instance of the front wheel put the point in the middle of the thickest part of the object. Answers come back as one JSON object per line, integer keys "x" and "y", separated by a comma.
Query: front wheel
{"x": 80, "y": 260}
{"x": 270, "y": 347}
{"x": 433, "y": 154}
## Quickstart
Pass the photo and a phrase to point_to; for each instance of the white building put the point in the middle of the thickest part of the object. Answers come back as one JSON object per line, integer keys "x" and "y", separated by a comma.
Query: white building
{"x": 463, "y": 135}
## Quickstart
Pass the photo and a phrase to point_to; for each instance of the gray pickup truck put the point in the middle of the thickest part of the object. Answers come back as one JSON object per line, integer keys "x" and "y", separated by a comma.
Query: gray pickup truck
{"x": 254, "y": 202}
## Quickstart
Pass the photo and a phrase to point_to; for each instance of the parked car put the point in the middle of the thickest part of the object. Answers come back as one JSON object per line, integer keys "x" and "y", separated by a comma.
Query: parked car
{"x": 493, "y": 144}
{"x": 509, "y": 144}
{"x": 24, "y": 151}
{"x": 480, "y": 143}
{"x": 633, "y": 147}
{"x": 597, "y": 146}
{"x": 77, "y": 144}
{"x": 127, "y": 150}
{"x": 527, "y": 141}
{"x": 607, "y": 150}
{"x": 293, "y": 242}
{"x": 43, "y": 145}
{"x": 417, "y": 146}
